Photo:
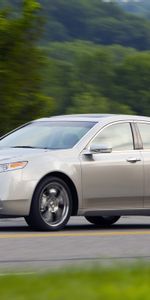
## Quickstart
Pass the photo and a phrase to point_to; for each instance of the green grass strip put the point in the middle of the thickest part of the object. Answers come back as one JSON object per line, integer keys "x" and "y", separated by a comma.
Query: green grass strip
{"x": 92, "y": 284}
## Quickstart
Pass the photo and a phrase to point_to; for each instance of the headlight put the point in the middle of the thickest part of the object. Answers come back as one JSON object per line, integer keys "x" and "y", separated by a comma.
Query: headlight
{"x": 12, "y": 166}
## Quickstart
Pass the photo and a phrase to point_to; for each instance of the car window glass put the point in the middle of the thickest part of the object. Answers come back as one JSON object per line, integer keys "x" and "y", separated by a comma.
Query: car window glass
{"x": 145, "y": 134}
{"x": 117, "y": 136}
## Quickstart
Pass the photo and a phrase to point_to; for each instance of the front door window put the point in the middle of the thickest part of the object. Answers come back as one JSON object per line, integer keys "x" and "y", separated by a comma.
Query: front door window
{"x": 116, "y": 136}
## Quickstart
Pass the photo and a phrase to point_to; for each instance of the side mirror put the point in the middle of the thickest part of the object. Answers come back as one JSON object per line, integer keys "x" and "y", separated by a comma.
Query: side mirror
{"x": 100, "y": 148}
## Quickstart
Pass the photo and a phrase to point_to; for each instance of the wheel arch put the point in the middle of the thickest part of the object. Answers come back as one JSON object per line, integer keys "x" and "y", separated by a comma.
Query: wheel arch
{"x": 70, "y": 184}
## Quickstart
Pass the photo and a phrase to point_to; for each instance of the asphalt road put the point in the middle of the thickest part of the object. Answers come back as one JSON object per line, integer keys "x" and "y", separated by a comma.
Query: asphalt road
{"x": 23, "y": 250}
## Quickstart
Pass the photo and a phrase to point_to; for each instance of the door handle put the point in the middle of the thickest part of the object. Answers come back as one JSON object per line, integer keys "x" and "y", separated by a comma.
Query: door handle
{"x": 133, "y": 160}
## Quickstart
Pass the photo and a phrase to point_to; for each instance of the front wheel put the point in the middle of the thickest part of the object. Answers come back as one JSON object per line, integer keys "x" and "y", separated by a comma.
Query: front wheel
{"x": 51, "y": 205}
{"x": 102, "y": 221}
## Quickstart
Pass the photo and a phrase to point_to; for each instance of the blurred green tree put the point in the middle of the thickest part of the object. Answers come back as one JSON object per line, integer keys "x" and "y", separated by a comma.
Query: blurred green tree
{"x": 133, "y": 83}
{"x": 92, "y": 102}
{"x": 21, "y": 62}
{"x": 103, "y": 22}
{"x": 82, "y": 76}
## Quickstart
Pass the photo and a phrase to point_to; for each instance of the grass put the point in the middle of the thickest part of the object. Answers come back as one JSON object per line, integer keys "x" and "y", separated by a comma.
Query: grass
{"x": 95, "y": 284}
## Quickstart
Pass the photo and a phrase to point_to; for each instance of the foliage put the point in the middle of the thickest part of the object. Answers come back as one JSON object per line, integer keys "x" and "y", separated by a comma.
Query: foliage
{"x": 20, "y": 64}
{"x": 68, "y": 77}
{"x": 132, "y": 79}
{"x": 111, "y": 283}
{"x": 94, "y": 20}
{"x": 84, "y": 77}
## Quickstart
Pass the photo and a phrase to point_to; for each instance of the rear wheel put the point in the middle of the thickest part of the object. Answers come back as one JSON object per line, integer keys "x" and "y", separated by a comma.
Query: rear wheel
{"x": 102, "y": 221}
{"x": 51, "y": 206}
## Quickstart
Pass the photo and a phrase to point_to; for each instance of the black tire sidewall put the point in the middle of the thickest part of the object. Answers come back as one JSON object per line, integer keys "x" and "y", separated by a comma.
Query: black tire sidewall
{"x": 101, "y": 221}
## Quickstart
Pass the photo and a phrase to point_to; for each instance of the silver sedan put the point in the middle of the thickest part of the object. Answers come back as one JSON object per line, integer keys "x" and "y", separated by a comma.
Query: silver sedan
{"x": 97, "y": 166}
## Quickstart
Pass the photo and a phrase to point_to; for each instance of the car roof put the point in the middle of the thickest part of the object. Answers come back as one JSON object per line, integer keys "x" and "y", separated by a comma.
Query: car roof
{"x": 94, "y": 117}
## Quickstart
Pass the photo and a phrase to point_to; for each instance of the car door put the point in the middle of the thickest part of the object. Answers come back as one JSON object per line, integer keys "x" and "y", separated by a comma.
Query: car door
{"x": 113, "y": 180}
{"x": 144, "y": 130}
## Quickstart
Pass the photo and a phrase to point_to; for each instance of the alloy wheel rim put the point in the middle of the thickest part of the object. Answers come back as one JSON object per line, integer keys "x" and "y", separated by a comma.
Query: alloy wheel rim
{"x": 54, "y": 204}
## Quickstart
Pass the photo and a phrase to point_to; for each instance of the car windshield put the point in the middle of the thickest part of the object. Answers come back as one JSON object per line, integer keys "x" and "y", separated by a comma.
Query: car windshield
{"x": 47, "y": 135}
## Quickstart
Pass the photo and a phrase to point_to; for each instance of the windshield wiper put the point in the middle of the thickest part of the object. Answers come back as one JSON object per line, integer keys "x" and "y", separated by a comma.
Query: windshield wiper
{"x": 26, "y": 147}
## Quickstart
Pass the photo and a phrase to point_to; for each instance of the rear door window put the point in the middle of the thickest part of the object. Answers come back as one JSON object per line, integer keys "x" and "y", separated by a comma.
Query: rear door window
{"x": 144, "y": 129}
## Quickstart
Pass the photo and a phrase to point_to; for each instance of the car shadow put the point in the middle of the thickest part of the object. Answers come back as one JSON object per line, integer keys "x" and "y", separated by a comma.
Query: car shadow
{"x": 14, "y": 229}
{"x": 76, "y": 228}
{"x": 113, "y": 227}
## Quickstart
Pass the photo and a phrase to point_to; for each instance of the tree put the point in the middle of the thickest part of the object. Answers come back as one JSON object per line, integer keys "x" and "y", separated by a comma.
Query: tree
{"x": 94, "y": 20}
{"x": 21, "y": 63}
{"x": 92, "y": 102}
{"x": 132, "y": 83}
{"x": 81, "y": 77}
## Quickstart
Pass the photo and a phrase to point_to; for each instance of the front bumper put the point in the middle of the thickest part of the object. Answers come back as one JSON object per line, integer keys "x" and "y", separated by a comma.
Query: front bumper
{"x": 15, "y": 194}
{"x": 14, "y": 208}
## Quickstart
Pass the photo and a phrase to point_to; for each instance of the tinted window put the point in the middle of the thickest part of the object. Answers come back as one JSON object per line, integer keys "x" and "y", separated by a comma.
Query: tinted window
{"x": 145, "y": 134}
{"x": 50, "y": 135}
{"x": 117, "y": 137}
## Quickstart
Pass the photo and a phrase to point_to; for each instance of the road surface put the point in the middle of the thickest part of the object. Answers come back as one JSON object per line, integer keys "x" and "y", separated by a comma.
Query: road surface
{"x": 80, "y": 243}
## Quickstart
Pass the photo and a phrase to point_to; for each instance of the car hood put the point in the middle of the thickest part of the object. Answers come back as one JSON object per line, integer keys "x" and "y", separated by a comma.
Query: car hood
{"x": 13, "y": 154}
{"x": 9, "y": 154}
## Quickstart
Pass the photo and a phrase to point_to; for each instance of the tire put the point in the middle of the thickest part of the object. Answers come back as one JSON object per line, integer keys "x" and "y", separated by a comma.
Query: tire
{"x": 51, "y": 205}
{"x": 102, "y": 221}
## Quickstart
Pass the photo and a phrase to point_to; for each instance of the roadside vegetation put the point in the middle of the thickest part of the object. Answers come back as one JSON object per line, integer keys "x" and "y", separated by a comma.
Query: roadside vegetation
{"x": 62, "y": 56}
{"x": 97, "y": 21}
{"x": 92, "y": 284}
